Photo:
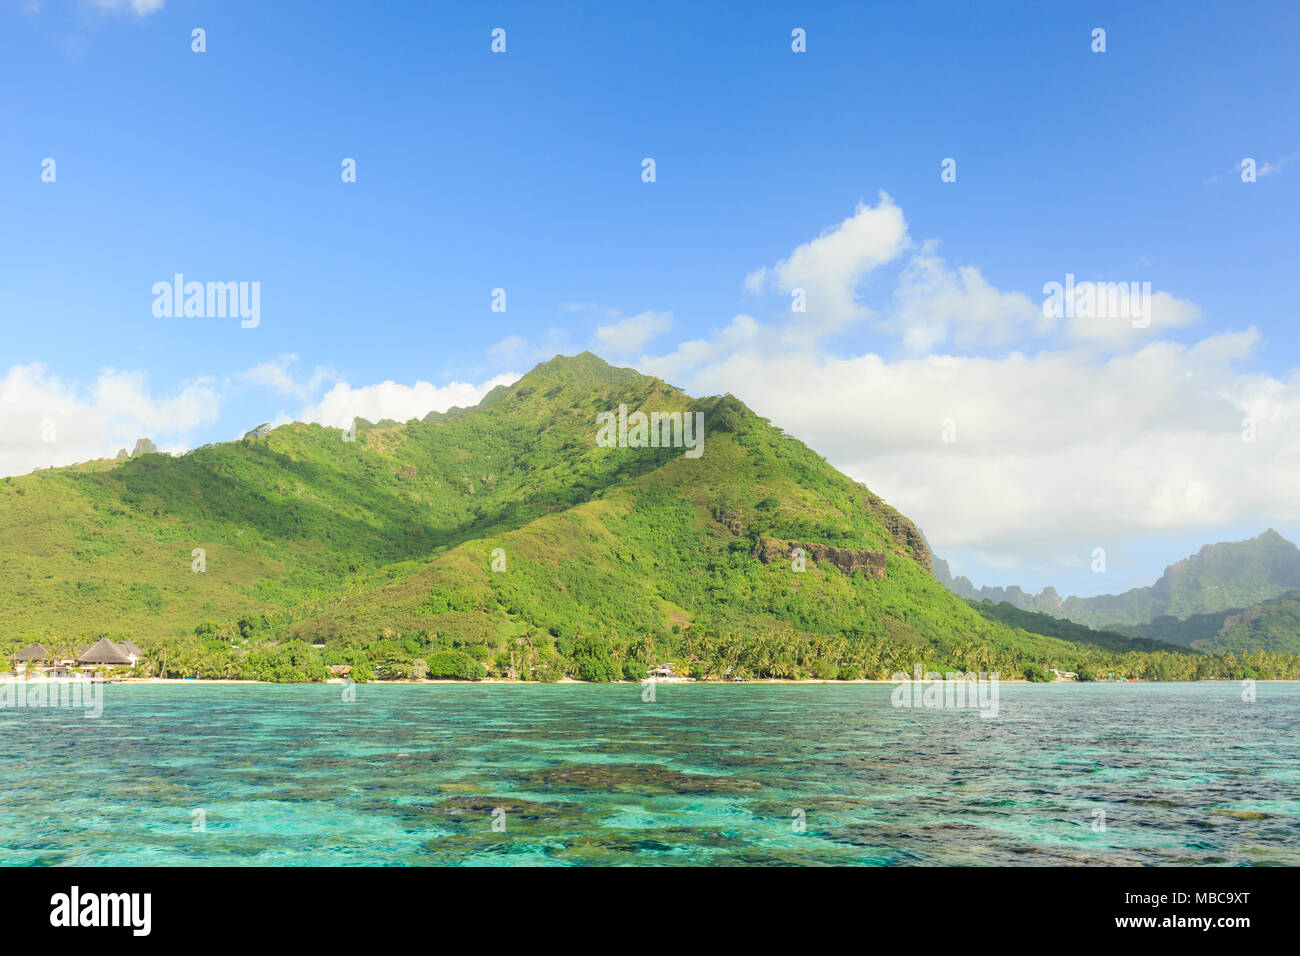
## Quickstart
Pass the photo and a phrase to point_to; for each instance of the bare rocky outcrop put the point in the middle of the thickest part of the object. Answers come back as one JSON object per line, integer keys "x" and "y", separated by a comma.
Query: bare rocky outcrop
{"x": 848, "y": 560}
{"x": 734, "y": 521}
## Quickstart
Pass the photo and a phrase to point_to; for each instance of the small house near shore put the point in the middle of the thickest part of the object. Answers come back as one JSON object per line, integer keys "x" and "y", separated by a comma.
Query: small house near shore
{"x": 31, "y": 659}
{"x": 36, "y": 654}
{"x": 105, "y": 653}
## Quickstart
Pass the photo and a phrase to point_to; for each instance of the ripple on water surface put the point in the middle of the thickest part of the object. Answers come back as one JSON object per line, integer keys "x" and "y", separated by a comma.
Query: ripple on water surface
{"x": 581, "y": 774}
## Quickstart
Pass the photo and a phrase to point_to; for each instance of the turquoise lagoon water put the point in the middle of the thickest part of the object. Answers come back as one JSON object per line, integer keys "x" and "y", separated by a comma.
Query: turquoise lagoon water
{"x": 706, "y": 774}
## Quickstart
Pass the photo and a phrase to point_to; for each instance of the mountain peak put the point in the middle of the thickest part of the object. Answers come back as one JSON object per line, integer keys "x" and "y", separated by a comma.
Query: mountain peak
{"x": 1269, "y": 540}
{"x": 585, "y": 368}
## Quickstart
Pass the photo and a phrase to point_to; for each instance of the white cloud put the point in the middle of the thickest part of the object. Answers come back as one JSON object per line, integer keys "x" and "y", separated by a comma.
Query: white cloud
{"x": 516, "y": 351}
{"x": 1071, "y": 435}
{"x": 1053, "y": 450}
{"x": 627, "y": 336}
{"x": 742, "y": 332}
{"x": 935, "y": 303}
{"x": 45, "y": 422}
{"x": 830, "y": 267}
{"x": 1268, "y": 169}
{"x": 510, "y": 349}
{"x": 342, "y": 403}
{"x": 1098, "y": 433}
{"x": 276, "y": 375}
{"x": 1119, "y": 331}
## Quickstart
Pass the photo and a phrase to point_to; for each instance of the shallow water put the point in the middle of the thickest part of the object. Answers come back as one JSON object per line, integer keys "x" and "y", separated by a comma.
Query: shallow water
{"x": 706, "y": 774}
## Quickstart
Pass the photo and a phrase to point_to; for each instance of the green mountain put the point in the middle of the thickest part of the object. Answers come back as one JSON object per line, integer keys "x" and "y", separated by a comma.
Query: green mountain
{"x": 502, "y": 539}
{"x": 1038, "y": 623}
{"x": 1272, "y": 625}
{"x": 1218, "y": 578}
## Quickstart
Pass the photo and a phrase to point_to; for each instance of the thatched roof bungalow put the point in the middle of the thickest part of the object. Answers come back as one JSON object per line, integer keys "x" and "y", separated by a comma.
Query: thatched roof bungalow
{"x": 105, "y": 651}
{"x": 34, "y": 654}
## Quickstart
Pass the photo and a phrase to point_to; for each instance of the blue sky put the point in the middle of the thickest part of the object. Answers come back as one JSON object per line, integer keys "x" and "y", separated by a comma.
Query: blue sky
{"x": 522, "y": 171}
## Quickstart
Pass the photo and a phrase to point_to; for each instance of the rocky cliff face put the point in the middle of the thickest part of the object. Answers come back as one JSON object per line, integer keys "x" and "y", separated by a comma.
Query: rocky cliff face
{"x": 848, "y": 560}
{"x": 908, "y": 537}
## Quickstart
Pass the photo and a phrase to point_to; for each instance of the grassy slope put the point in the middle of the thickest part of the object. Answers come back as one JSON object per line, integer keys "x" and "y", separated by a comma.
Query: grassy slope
{"x": 284, "y": 519}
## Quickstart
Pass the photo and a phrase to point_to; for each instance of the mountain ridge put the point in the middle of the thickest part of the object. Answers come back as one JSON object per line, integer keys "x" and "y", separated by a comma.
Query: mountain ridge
{"x": 1218, "y": 577}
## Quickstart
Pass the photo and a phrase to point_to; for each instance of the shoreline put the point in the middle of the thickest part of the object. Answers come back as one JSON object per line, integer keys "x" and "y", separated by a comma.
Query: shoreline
{"x": 170, "y": 681}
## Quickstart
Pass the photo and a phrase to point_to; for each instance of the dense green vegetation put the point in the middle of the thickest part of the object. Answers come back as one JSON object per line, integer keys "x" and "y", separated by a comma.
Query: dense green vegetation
{"x": 1039, "y": 623}
{"x": 1272, "y": 625}
{"x": 380, "y": 554}
{"x": 1098, "y": 655}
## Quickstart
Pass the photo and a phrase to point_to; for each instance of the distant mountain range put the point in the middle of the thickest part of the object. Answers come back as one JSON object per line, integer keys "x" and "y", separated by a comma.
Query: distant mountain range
{"x": 1238, "y": 595}
{"x": 1272, "y": 625}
